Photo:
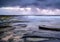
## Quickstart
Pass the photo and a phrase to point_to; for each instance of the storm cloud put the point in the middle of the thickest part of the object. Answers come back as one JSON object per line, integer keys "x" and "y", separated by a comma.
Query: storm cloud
{"x": 35, "y": 3}
{"x": 31, "y": 7}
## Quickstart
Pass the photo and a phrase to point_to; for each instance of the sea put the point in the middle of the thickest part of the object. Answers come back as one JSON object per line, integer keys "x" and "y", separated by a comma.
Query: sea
{"x": 19, "y": 25}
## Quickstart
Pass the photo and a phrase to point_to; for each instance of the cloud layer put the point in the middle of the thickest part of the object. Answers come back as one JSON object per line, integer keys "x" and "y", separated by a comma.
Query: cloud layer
{"x": 22, "y": 7}
{"x": 28, "y": 11}
{"x": 35, "y": 3}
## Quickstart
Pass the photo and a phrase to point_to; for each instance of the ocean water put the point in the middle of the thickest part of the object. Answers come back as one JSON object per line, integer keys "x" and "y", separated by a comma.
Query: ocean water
{"x": 21, "y": 25}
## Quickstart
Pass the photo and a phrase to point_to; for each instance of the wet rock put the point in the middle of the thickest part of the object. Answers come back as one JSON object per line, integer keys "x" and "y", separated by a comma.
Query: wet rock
{"x": 7, "y": 29}
{"x": 22, "y": 25}
{"x": 4, "y": 26}
{"x": 1, "y": 32}
{"x": 10, "y": 40}
{"x": 48, "y": 28}
{"x": 2, "y": 41}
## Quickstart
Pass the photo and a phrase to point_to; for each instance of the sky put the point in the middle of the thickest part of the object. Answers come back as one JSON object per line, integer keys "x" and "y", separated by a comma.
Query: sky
{"x": 29, "y": 7}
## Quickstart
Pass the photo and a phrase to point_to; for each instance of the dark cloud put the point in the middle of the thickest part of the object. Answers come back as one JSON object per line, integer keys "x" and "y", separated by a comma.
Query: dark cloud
{"x": 9, "y": 2}
{"x": 41, "y": 0}
{"x": 36, "y": 3}
{"x": 57, "y": 5}
{"x": 19, "y": 2}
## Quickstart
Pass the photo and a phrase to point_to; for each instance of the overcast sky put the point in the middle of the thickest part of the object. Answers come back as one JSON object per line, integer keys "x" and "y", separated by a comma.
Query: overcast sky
{"x": 41, "y": 4}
